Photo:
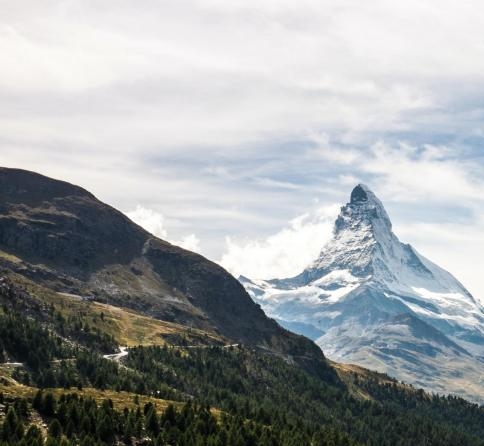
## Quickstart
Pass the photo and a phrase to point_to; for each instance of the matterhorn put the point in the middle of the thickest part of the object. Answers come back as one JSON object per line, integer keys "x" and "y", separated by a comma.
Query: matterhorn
{"x": 371, "y": 300}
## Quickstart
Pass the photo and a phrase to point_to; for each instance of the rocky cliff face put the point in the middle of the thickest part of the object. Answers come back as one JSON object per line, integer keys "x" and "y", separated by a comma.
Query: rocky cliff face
{"x": 374, "y": 301}
{"x": 63, "y": 237}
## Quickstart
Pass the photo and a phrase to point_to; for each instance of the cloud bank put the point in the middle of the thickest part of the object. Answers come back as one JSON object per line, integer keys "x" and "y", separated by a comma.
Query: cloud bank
{"x": 284, "y": 253}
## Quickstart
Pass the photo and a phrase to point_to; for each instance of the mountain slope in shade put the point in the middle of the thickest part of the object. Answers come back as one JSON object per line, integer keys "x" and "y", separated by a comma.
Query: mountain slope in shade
{"x": 371, "y": 300}
{"x": 62, "y": 237}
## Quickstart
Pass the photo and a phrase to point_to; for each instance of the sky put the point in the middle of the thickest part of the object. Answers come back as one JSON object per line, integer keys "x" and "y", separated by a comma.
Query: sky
{"x": 238, "y": 128}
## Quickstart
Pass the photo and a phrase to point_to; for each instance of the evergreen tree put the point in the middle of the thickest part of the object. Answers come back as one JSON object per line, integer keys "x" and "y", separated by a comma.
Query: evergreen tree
{"x": 151, "y": 424}
{"x": 12, "y": 428}
{"x": 55, "y": 428}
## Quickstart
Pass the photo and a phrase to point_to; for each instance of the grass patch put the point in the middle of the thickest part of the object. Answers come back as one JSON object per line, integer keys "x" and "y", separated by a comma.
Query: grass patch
{"x": 10, "y": 257}
{"x": 128, "y": 327}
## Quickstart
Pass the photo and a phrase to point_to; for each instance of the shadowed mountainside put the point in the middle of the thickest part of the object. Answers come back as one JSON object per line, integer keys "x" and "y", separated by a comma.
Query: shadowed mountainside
{"x": 62, "y": 237}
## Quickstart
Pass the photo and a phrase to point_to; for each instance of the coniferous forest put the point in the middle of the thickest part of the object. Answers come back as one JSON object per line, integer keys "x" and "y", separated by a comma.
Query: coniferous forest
{"x": 219, "y": 396}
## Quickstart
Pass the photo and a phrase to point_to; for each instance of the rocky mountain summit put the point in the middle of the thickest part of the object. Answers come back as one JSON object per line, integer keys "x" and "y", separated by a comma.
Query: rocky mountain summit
{"x": 371, "y": 300}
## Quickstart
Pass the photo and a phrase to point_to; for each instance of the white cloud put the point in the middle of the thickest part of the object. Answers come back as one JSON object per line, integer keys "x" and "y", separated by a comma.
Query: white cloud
{"x": 284, "y": 253}
{"x": 150, "y": 220}
{"x": 154, "y": 223}
{"x": 434, "y": 174}
{"x": 190, "y": 242}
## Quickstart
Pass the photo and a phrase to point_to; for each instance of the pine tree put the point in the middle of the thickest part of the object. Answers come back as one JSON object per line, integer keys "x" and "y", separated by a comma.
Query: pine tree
{"x": 33, "y": 437}
{"x": 151, "y": 424}
{"x": 55, "y": 428}
{"x": 12, "y": 429}
{"x": 48, "y": 404}
{"x": 37, "y": 401}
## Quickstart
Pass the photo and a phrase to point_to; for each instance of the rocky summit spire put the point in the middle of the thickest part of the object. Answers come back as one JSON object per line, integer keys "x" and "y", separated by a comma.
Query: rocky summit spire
{"x": 362, "y": 195}
{"x": 359, "y": 194}
{"x": 364, "y": 210}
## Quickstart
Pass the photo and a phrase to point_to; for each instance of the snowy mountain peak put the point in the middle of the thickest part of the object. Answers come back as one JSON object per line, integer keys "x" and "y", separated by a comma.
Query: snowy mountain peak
{"x": 372, "y": 300}
{"x": 362, "y": 233}
{"x": 364, "y": 244}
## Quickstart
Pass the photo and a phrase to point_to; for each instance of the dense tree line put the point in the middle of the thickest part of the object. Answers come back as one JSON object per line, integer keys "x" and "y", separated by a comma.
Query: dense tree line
{"x": 267, "y": 389}
{"x": 84, "y": 332}
{"x": 26, "y": 340}
{"x": 49, "y": 360}
{"x": 22, "y": 308}
{"x": 76, "y": 420}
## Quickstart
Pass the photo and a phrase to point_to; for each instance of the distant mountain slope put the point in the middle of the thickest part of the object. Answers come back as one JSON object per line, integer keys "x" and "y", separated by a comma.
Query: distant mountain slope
{"x": 382, "y": 305}
{"x": 62, "y": 237}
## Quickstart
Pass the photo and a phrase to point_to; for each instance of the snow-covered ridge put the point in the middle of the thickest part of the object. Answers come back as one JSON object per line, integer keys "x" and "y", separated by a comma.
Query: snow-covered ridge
{"x": 362, "y": 280}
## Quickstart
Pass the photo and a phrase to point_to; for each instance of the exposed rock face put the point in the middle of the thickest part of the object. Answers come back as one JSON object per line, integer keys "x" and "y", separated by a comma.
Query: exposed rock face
{"x": 62, "y": 226}
{"x": 374, "y": 301}
{"x": 61, "y": 236}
